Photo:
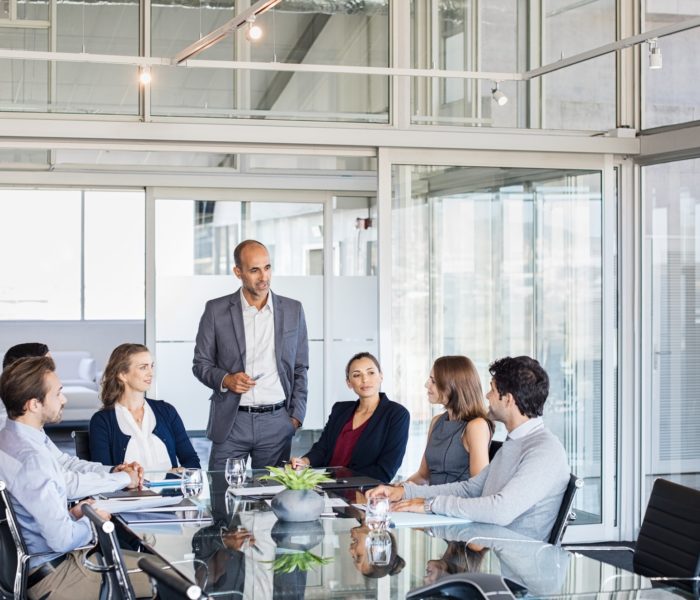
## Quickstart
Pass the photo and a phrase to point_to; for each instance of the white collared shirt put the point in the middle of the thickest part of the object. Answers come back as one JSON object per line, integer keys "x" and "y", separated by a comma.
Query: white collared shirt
{"x": 526, "y": 428}
{"x": 144, "y": 446}
{"x": 259, "y": 327}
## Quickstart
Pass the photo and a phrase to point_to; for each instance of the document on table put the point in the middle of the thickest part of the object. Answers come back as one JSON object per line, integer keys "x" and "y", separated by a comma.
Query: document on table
{"x": 118, "y": 505}
{"x": 262, "y": 490}
{"x": 411, "y": 519}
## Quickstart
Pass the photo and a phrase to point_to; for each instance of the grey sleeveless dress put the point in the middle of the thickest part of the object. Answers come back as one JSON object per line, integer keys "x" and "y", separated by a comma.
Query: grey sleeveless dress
{"x": 447, "y": 459}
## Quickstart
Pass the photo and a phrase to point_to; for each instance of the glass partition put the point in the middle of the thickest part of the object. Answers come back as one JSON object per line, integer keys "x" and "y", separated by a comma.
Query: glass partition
{"x": 671, "y": 412}
{"x": 490, "y": 262}
{"x": 670, "y": 93}
{"x": 195, "y": 239}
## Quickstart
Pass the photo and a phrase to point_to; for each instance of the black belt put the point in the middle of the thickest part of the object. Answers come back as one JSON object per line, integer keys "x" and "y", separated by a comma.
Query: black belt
{"x": 262, "y": 409}
{"x": 46, "y": 569}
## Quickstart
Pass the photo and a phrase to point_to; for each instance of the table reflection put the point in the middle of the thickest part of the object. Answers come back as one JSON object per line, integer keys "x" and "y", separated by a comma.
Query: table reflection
{"x": 246, "y": 553}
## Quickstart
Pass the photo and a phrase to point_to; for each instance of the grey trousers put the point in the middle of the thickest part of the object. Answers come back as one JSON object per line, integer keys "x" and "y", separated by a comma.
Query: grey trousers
{"x": 265, "y": 437}
{"x": 72, "y": 580}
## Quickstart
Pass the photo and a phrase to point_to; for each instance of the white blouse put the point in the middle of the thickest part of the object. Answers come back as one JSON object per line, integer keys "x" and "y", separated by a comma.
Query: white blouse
{"x": 144, "y": 447}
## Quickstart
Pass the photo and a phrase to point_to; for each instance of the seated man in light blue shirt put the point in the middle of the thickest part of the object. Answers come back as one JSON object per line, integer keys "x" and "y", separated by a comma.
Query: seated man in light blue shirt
{"x": 38, "y": 489}
{"x": 83, "y": 478}
{"x": 523, "y": 486}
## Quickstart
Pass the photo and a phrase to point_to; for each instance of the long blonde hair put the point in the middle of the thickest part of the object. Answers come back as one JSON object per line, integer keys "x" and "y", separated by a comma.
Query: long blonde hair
{"x": 112, "y": 388}
{"x": 459, "y": 386}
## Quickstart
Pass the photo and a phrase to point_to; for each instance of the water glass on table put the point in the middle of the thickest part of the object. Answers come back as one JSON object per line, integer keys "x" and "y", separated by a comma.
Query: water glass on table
{"x": 235, "y": 471}
{"x": 377, "y": 513}
{"x": 192, "y": 483}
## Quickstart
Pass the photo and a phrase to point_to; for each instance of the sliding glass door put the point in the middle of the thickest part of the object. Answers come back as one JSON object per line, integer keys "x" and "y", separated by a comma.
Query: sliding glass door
{"x": 492, "y": 261}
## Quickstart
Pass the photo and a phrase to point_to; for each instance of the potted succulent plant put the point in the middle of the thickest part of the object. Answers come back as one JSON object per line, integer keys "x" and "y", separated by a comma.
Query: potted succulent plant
{"x": 299, "y": 501}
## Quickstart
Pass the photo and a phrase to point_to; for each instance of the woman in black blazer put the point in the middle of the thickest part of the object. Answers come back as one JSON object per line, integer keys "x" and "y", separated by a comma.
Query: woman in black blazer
{"x": 367, "y": 436}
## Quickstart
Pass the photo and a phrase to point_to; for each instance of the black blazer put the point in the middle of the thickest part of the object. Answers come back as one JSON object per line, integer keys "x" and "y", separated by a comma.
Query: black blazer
{"x": 379, "y": 450}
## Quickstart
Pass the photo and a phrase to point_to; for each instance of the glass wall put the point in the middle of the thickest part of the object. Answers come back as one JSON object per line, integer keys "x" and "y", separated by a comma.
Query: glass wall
{"x": 195, "y": 239}
{"x": 76, "y": 255}
{"x": 671, "y": 416}
{"x": 671, "y": 93}
{"x": 490, "y": 262}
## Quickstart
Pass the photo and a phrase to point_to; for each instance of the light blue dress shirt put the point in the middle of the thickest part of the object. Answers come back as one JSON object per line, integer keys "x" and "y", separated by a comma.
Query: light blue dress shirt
{"x": 38, "y": 492}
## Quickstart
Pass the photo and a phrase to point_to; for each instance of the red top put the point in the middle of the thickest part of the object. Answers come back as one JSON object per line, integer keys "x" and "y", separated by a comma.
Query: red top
{"x": 345, "y": 443}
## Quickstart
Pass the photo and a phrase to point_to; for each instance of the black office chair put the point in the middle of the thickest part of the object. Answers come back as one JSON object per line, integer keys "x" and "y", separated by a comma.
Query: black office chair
{"x": 168, "y": 584}
{"x": 81, "y": 439}
{"x": 115, "y": 579}
{"x": 566, "y": 515}
{"x": 668, "y": 545}
{"x": 493, "y": 448}
{"x": 14, "y": 557}
{"x": 468, "y": 586}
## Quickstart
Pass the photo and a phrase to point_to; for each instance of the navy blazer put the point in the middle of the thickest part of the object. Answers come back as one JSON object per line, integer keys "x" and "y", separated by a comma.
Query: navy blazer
{"x": 108, "y": 443}
{"x": 379, "y": 449}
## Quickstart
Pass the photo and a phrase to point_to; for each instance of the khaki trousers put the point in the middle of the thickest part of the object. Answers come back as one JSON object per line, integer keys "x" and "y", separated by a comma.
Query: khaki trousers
{"x": 72, "y": 580}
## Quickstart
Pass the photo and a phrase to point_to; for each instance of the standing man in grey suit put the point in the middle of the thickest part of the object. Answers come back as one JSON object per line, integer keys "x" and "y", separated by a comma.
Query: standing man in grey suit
{"x": 252, "y": 350}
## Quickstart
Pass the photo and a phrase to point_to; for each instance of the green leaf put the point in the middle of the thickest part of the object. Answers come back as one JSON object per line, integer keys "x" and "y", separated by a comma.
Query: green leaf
{"x": 304, "y": 479}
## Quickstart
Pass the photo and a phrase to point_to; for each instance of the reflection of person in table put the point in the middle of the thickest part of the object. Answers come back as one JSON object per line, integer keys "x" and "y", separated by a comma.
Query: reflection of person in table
{"x": 358, "y": 552}
{"x": 457, "y": 558}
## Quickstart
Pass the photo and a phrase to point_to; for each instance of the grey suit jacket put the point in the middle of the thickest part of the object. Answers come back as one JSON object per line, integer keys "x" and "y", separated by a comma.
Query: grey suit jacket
{"x": 221, "y": 349}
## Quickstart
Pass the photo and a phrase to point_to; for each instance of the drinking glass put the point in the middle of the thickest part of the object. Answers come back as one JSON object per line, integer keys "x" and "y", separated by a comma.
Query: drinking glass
{"x": 192, "y": 483}
{"x": 379, "y": 545}
{"x": 235, "y": 471}
{"x": 377, "y": 513}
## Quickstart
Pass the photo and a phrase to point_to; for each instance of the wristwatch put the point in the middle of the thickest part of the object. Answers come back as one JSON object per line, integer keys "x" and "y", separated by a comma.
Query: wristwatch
{"x": 428, "y": 505}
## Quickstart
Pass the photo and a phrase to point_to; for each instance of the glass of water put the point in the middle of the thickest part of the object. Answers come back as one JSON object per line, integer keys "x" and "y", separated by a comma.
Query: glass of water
{"x": 379, "y": 546}
{"x": 377, "y": 513}
{"x": 235, "y": 471}
{"x": 192, "y": 483}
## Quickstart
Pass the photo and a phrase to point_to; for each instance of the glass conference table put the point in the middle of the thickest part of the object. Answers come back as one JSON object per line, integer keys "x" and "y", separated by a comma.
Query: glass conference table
{"x": 218, "y": 553}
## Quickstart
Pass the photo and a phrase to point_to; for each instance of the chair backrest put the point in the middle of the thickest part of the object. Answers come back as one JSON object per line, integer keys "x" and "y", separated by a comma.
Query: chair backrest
{"x": 81, "y": 439}
{"x": 17, "y": 566}
{"x": 669, "y": 538}
{"x": 467, "y": 586}
{"x": 115, "y": 572}
{"x": 168, "y": 584}
{"x": 493, "y": 448}
{"x": 8, "y": 548}
{"x": 565, "y": 514}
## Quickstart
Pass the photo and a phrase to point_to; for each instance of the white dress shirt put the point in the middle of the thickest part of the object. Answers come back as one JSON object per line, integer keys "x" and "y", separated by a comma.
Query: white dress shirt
{"x": 144, "y": 447}
{"x": 259, "y": 327}
{"x": 526, "y": 428}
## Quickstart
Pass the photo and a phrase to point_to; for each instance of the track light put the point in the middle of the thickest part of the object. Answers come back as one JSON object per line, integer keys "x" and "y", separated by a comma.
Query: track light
{"x": 498, "y": 96}
{"x": 655, "y": 59}
{"x": 145, "y": 75}
{"x": 254, "y": 32}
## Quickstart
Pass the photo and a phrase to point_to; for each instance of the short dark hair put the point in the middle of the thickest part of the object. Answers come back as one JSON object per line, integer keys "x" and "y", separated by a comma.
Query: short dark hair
{"x": 29, "y": 349}
{"x": 359, "y": 356}
{"x": 238, "y": 250}
{"x": 525, "y": 379}
{"x": 23, "y": 380}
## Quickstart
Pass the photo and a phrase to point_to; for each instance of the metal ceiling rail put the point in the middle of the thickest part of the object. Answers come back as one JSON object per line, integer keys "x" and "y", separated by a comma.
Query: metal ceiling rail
{"x": 144, "y": 61}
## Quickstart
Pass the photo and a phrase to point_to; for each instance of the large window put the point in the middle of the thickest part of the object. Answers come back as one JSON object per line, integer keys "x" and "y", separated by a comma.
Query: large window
{"x": 671, "y": 415}
{"x": 72, "y": 254}
{"x": 491, "y": 262}
{"x": 671, "y": 93}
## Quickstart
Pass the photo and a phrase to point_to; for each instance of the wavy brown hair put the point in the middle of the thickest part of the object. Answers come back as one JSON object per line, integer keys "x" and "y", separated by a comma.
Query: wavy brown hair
{"x": 459, "y": 387}
{"x": 119, "y": 361}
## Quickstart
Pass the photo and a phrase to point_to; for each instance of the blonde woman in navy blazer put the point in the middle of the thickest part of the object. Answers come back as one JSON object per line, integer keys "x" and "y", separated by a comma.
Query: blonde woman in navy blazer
{"x": 369, "y": 435}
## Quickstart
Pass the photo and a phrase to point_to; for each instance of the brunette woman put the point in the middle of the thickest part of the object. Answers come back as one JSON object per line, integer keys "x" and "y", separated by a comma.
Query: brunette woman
{"x": 458, "y": 438}
{"x": 367, "y": 436}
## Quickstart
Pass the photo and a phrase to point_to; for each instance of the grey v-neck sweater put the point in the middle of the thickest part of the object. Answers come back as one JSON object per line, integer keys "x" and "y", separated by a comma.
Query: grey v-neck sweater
{"x": 521, "y": 489}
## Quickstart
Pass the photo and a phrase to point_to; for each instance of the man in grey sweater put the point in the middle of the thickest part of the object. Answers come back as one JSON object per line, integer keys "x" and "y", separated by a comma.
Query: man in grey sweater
{"x": 523, "y": 487}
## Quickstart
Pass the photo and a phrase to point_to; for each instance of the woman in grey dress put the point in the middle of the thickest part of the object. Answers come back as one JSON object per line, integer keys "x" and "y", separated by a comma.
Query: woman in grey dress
{"x": 459, "y": 438}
